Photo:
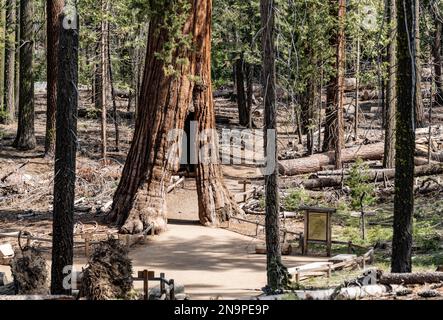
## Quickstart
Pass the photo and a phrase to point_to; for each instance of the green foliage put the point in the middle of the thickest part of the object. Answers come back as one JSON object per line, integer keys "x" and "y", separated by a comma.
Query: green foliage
{"x": 425, "y": 236}
{"x": 296, "y": 198}
{"x": 361, "y": 191}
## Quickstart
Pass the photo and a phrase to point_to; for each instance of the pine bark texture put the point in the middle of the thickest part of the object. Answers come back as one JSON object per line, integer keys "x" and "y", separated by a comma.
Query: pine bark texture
{"x": 65, "y": 157}
{"x": 25, "y": 139}
{"x": 53, "y": 11}
{"x": 405, "y": 140}
{"x": 274, "y": 266}
{"x": 419, "y": 106}
{"x": 9, "y": 102}
{"x": 391, "y": 94}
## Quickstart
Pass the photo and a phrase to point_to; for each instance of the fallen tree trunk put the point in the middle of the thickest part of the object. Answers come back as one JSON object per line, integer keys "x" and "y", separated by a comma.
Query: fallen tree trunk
{"x": 422, "y": 151}
{"x": 349, "y": 293}
{"x": 316, "y": 162}
{"x": 379, "y": 175}
{"x": 411, "y": 278}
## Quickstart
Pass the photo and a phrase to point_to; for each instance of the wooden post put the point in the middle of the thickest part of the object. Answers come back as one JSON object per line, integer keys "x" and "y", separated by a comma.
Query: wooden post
{"x": 87, "y": 237}
{"x": 162, "y": 283}
{"x": 244, "y": 183}
{"x": 144, "y": 275}
{"x": 171, "y": 289}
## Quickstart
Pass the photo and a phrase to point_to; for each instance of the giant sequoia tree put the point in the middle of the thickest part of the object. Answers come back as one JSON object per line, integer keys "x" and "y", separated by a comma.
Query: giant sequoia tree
{"x": 405, "y": 138}
{"x": 176, "y": 74}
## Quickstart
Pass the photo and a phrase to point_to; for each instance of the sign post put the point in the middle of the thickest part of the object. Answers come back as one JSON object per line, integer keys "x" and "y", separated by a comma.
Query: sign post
{"x": 318, "y": 227}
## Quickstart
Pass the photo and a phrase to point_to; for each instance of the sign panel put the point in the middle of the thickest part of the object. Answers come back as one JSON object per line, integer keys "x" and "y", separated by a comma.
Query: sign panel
{"x": 318, "y": 226}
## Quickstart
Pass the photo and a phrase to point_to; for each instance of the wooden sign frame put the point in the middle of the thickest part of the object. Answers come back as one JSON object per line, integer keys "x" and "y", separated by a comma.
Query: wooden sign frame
{"x": 326, "y": 213}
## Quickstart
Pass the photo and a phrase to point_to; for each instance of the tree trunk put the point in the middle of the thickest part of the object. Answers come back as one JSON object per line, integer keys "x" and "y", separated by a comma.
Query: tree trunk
{"x": 437, "y": 52}
{"x": 9, "y": 102}
{"x": 53, "y": 11}
{"x": 334, "y": 130}
{"x": 17, "y": 61}
{"x": 389, "y": 157}
{"x": 411, "y": 278}
{"x": 249, "y": 91}
{"x": 372, "y": 176}
{"x": 65, "y": 154}
{"x": 215, "y": 202}
{"x": 419, "y": 107}
{"x": 316, "y": 162}
{"x": 276, "y": 272}
{"x": 2, "y": 51}
{"x": 341, "y": 64}
{"x": 104, "y": 78}
{"x": 25, "y": 139}
{"x": 243, "y": 112}
{"x": 140, "y": 199}
{"x": 401, "y": 261}
{"x": 111, "y": 84}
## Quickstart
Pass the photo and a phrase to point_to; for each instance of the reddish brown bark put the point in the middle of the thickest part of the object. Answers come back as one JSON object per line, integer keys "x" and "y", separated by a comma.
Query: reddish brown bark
{"x": 215, "y": 202}
{"x": 163, "y": 105}
{"x": 53, "y": 11}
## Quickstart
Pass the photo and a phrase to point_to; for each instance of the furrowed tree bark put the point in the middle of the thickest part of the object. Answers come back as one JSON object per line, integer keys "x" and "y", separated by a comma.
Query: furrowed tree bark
{"x": 419, "y": 107}
{"x": 65, "y": 151}
{"x": 341, "y": 61}
{"x": 401, "y": 261}
{"x": 411, "y": 278}
{"x": 276, "y": 272}
{"x": 2, "y": 50}
{"x": 140, "y": 199}
{"x": 17, "y": 61}
{"x": 53, "y": 11}
{"x": 215, "y": 202}
{"x": 9, "y": 102}
{"x": 436, "y": 53}
{"x": 104, "y": 78}
{"x": 25, "y": 139}
{"x": 111, "y": 84}
{"x": 391, "y": 96}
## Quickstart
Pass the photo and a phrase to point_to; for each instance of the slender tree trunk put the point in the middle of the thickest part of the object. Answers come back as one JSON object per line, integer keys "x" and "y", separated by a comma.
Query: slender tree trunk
{"x": 357, "y": 88}
{"x": 2, "y": 51}
{"x": 241, "y": 95}
{"x": 391, "y": 96}
{"x": 405, "y": 139}
{"x": 276, "y": 272}
{"x": 9, "y": 102}
{"x": 419, "y": 107}
{"x": 104, "y": 100}
{"x": 25, "y": 139}
{"x": 341, "y": 64}
{"x": 111, "y": 84}
{"x": 53, "y": 11}
{"x": 65, "y": 155}
{"x": 17, "y": 60}
{"x": 436, "y": 53}
{"x": 334, "y": 131}
{"x": 249, "y": 91}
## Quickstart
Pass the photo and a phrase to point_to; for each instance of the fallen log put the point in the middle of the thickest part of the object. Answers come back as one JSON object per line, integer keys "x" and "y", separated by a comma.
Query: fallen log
{"x": 349, "y": 293}
{"x": 378, "y": 175}
{"x": 411, "y": 278}
{"x": 318, "y": 161}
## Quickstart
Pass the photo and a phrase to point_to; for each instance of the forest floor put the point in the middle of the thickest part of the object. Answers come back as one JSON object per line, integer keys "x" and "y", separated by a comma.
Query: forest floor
{"x": 211, "y": 263}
